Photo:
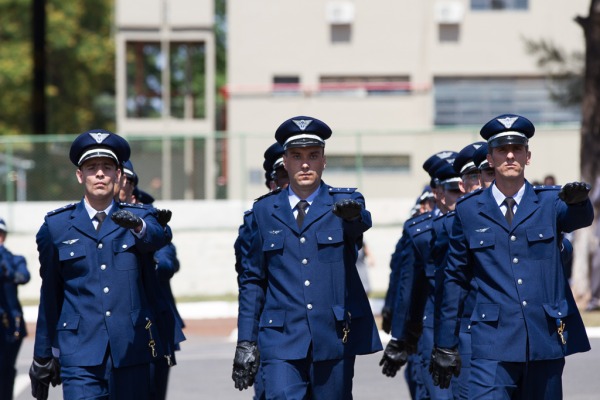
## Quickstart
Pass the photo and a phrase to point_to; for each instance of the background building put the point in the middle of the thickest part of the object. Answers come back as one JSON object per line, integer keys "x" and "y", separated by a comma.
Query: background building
{"x": 397, "y": 80}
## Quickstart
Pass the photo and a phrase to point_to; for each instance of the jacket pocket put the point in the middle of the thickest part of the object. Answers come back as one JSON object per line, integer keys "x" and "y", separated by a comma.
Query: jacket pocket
{"x": 330, "y": 245}
{"x": 483, "y": 240}
{"x": 540, "y": 243}
{"x": 66, "y": 332}
{"x": 124, "y": 253}
{"x": 272, "y": 319}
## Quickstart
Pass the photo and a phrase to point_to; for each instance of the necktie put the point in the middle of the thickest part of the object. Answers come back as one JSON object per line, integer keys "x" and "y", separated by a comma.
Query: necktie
{"x": 510, "y": 203}
{"x": 302, "y": 204}
{"x": 100, "y": 216}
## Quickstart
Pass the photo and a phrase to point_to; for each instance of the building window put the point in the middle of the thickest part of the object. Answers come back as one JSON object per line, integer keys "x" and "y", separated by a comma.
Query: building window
{"x": 499, "y": 4}
{"x": 364, "y": 85}
{"x": 472, "y": 101}
{"x": 368, "y": 163}
{"x": 144, "y": 80}
{"x": 341, "y": 33}
{"x": 188, "y": 80}
{"x": 147, "y": 83}
{"x": 286, "y": 85}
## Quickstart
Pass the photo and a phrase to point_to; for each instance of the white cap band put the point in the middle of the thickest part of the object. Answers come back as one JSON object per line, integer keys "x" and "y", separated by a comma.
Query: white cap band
{"x": 303, "y": 136}
{"x": 467, "y": 166}
{"x": 507, "y": 133}
{"x": 97, "y": 152}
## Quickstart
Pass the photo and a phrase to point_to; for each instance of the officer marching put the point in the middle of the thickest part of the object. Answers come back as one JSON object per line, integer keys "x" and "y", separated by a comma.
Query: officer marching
{"x": 95, "y": 332}
{"x": 508, "y": 238}
{"x": 301, "y": 301}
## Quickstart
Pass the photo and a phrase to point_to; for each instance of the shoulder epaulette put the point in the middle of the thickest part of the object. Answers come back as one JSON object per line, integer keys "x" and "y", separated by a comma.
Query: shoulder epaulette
{"x": 268, "y": 194}
{"x": 475, "y": 192}
{"x": 334, "y": 190}
{"x": 424, "y": 217}
{"x": 132, "y": 205}
{"x": 541, "y": 188}
{"x": 249, "y": 211}
{"x": 63, "y": 208}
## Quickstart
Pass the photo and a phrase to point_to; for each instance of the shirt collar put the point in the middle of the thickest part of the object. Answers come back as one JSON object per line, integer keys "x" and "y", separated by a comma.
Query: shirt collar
{"x": 294, "y": 198}
{"x": 499, "y": 196}
{"x": 92, "y": 213}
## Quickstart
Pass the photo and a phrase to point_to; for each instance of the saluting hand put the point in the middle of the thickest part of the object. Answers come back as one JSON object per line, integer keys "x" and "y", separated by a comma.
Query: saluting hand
{"x": 347, "y": 209}
{"x": 163, "y": 216}
{"x": 574, "y": 192}
{"x": 126, "y": 219}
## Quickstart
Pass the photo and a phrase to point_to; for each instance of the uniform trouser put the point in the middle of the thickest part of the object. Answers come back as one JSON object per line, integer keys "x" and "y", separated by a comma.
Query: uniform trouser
{"x": 410, "y": 376}
{"x": 159, "y": 379}
{"x": 499, "y": 380}
{"x": 9, "y": 351}
{"x": 425, "y": 349}
{"x": 259, "y": 387}
{"x": 105, "y": 382}
{"x": 306, "y": 379}
{"x": 460, "y": 384}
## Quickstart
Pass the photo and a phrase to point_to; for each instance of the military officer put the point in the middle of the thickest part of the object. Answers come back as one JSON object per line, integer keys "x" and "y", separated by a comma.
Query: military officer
{"x": 486, "y": 173}
{"x": 161, "y": 266}
{"x": 507, "y": 237}
{"x": 301, "y": 301}
{"x": 13, "y": 272}
{"x": 415, "y": 286}
{"x": 470, "y": 180}
{"x": 95, "y": 330}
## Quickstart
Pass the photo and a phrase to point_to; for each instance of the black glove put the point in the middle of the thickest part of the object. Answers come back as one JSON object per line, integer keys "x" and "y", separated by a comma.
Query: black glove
{"x": 386, "y": 319}
{"x": 163, "y": 217}
{"x": 574, "y": 192}
{"x": 42, "y": 373}
{"x": 347, "y": 209}
{"x": 444, "y": 363}
{"x": 245, "y": 364}
{"x": 126, "y": 219}
{"x": 413, "y": 334}
{"x": 394, "y": 357}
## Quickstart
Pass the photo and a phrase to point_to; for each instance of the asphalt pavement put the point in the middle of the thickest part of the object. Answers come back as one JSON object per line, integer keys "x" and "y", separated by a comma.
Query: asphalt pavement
{"x": 204, "y": 371}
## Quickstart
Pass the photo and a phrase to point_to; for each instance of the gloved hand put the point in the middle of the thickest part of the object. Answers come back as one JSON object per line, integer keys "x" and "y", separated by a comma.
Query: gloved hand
{"x": 163, "y": 216}
{"x": 126, "y": 219}
{"x": 444, "y": 363}
{"x": 347, "y": 209}
{"x": 574, "y": 192}
{"x": 394, "y": 357}
{"x": 386, "y": 319}
{"x": 245, "y": 364}
{"x": 413, "y": 334}
{"x": 42, "y": 373}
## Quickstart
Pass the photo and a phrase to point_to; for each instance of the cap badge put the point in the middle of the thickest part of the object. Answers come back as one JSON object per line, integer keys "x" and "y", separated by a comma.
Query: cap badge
{"x": 508, "y": 121}
{"x": 302, "y": 123}
{"x": 99, "y": 136}
{"x": 444, "y": 154}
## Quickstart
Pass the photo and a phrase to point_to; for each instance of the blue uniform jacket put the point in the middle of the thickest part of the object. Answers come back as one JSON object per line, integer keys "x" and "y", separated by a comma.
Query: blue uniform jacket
{"x": 522, "y": 293}
{"x": 413, "y": 288}
{"x": 92, "y": 292}
{"x": 13, "y": 272}
{"x": 300, "y": 286}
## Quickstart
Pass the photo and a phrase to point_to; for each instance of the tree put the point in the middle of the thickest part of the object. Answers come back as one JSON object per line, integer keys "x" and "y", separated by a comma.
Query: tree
{"x": 590, "y": 106}
{"x": 79, "y": 68}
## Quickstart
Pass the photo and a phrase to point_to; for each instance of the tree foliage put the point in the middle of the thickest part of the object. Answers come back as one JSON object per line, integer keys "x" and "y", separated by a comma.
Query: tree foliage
{"x": 80, "y": 66}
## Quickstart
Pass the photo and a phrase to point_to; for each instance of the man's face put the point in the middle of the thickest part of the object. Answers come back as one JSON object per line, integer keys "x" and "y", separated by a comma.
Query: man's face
{"x": 305, "y": 166}
{"x": 99, "y": 176}
{"x": 126, "y": 192}
{"x": 509, "y": 161}
{"x": 281, "y": 178}
{"x": 487, "y": 177}
{"x": 470, "y": 182}
{"x": 449, "y": 198}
